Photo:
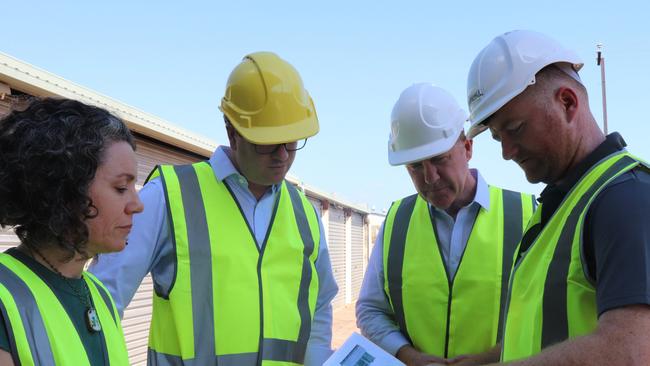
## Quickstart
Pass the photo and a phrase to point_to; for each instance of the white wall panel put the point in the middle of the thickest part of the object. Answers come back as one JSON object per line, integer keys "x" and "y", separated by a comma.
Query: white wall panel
{"x": 336, "y": 244}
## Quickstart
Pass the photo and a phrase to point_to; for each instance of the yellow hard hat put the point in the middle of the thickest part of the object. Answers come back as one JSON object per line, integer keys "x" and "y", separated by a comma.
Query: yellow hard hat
{"x": 266, "y": 101}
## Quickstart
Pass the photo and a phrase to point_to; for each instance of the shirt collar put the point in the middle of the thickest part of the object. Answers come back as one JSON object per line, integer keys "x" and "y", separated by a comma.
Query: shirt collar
{"x": 224, "y": 168}
{"x": 221, "y": 163}
{"x": 482, "y": 195}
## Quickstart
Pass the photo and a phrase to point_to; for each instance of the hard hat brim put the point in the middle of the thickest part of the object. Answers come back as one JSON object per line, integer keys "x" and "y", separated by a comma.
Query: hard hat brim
{"x": 279, "y": 134}
{"x": 476, "y": 129}
{"x": 422, "y": 152}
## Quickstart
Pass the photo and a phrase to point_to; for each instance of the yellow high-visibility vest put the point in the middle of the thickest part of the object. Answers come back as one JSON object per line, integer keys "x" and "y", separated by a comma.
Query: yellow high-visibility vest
{"x": 550, "y": 298}
{"x": 438, "y": 315}
{"x": 232, "y": 302}
{"x": 40, "y": 330}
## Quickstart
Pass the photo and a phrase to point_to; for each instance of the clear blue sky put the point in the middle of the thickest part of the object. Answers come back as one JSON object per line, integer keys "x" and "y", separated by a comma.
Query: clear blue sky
{"x": 172, "y": 59}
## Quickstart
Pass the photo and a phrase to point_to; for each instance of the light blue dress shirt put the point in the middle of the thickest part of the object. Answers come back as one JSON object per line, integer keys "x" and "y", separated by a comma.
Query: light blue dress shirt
{"x": 375, "y": 316}
{"x": 151, "y": 249}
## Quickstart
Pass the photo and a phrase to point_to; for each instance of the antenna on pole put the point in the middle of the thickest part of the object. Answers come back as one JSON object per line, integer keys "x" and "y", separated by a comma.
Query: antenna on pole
{"x": 600, "y": 61}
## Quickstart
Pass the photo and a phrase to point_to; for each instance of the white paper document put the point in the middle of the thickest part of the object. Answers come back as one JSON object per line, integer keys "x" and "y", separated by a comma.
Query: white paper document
{"x": 359, "y": 351}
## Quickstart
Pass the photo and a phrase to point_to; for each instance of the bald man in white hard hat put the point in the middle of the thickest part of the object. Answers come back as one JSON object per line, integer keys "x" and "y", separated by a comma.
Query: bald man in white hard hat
{"x": 580, "y": 290}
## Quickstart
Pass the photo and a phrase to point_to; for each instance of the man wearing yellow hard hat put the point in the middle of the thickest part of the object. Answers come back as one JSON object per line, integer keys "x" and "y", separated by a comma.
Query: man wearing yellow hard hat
{"x": 238, "y": 257}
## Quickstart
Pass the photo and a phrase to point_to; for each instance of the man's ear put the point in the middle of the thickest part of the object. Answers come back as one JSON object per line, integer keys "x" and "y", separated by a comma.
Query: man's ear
{"x": 569, "y": 102}
{"x": 468, "y": 144}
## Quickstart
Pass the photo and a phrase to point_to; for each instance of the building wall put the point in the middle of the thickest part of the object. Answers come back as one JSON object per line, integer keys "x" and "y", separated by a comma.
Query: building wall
{"x": 357, "y": 253}
{"x": 336, "y": 241}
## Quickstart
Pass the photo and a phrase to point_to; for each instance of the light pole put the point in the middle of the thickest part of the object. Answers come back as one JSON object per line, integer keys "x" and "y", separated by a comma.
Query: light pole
{"x": 600, "y": 61}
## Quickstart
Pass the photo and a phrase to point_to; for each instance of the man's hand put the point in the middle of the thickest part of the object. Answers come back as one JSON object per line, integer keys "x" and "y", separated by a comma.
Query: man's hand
{"x": 484, "y": 358}
{"x": 463, "y": 360}
{"x": 412, "y": 357}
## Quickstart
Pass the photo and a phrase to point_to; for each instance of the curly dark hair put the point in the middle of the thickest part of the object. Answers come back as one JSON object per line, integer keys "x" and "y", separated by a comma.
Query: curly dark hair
{"x": 49, "y": 154}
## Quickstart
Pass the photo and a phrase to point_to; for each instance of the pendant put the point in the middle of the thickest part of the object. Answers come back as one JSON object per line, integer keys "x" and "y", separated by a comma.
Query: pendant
{"x": 92, "y": 320}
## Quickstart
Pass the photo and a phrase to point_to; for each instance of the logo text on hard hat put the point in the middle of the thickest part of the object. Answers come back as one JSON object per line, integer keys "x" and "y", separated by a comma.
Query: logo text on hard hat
{"x": 477, "y": 95}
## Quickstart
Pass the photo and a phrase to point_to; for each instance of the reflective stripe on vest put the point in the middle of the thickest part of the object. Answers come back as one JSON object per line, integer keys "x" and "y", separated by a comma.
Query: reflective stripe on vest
{"x": 231, "y": 298}
{"x": 40, "y": 330}
{"x": 447, "y": 317}
{"x": 550, "y": 298}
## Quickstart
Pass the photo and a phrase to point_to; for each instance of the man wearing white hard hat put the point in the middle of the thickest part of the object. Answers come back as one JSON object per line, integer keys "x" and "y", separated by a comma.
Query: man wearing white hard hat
{"x": 437, "y": 277}
{"x": 580, "y": 288}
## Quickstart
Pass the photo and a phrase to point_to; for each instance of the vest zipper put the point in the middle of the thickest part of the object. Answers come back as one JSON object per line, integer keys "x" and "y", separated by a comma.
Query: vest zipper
{"x": 261, "y": 293}
{"x": 260, "y": 356}
{"x": 451, "y": 279}
{"x": 451, "y": 286}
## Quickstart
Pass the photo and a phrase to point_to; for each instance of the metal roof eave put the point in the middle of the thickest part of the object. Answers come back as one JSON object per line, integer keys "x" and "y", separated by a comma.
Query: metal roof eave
{"x": 32, "y": 80}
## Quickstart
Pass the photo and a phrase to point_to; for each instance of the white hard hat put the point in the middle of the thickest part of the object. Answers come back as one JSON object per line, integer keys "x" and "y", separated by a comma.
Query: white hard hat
{"x": 426, "y": 121}
{"x": 506, "y": 67}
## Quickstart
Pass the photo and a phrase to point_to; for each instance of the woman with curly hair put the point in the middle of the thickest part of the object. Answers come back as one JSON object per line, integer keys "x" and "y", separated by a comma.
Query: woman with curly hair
{"x": 67, "y": 186}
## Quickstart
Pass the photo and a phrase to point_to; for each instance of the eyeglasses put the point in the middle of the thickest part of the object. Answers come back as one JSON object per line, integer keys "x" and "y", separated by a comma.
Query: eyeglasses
{"x": 288, "y": 146}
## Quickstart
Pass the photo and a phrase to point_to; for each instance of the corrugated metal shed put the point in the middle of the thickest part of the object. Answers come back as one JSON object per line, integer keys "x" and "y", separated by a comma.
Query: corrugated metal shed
{"x": 357, "y": 256}
{"x": 336, "y": 242}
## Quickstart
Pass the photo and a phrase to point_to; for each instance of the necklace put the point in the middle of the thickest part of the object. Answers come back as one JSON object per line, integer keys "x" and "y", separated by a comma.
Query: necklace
{"x": 92, "y": 320}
